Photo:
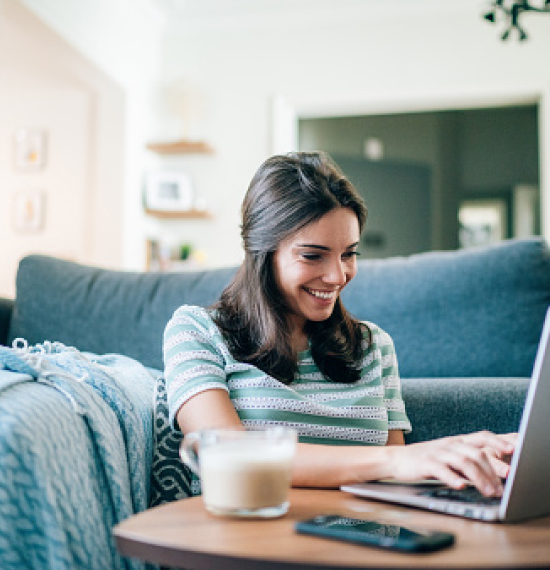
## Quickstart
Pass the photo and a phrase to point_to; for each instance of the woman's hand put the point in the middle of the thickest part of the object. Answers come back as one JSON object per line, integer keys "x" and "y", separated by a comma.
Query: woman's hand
{"x": 478, "y": 459}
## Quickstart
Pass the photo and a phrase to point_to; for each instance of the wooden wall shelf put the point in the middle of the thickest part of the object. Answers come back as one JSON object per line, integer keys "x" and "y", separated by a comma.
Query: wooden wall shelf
{"x": 181, "y": 147}
{"x": 179, "y": 215}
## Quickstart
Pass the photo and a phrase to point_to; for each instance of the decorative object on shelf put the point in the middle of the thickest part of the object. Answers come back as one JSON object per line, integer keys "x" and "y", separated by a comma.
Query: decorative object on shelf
{"x": 512, "y": 11}
{"x": 28, "y": 211}
{"x": 158, "y": 255}
{"x": 29, "y": 149}
{"x": 152, "y": 260}
{"x": 185, "y": 250}
{"x": 168, "y": 191}
{"x": 174, "y": 258}
{"x": 181, "y": 147}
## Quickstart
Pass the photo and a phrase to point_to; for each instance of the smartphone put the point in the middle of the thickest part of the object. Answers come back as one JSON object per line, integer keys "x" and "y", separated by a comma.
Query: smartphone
{"x": 372, "y": 533}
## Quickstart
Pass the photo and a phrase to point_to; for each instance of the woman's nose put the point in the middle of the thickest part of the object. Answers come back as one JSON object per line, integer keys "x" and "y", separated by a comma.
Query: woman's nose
{"x": 336, "y": 273}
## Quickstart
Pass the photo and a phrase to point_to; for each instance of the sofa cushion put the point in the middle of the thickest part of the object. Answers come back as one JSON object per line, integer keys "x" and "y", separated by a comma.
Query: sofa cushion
{"x": 104, "y": 311}
{"x": 476, "y": 312}
{"x": 469, "y": 313}
{"x": 439, "y": 407}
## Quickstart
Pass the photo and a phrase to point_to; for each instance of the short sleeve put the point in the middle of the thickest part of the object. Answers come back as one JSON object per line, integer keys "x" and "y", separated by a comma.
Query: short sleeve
{"x": 193, "y": 358}
{"x": 393, "y": 400}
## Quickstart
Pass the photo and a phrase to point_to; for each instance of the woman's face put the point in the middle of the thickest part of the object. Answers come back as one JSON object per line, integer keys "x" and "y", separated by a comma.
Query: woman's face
{"x": 312, "y": 266}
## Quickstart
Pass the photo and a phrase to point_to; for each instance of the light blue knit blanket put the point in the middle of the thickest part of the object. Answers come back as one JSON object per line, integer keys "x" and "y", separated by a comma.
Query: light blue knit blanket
{"x": 75, "y": 455}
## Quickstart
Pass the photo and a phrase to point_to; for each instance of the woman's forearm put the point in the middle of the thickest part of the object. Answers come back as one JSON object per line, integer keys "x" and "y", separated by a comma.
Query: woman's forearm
{"x": 457, "y": 461}
{"x": 330, "y": 466}
{"x": 315, "y": 465}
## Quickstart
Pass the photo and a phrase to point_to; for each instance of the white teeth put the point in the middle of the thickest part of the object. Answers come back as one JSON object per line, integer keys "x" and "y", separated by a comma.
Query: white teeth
{"x": 320, "y": 294}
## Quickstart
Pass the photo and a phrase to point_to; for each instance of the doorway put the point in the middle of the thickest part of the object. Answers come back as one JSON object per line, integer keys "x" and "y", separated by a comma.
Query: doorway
{"x": 483, "y": 160}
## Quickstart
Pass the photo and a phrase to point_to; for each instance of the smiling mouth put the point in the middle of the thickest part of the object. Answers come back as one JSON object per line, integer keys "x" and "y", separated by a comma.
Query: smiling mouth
{"x": 325, "y": 295}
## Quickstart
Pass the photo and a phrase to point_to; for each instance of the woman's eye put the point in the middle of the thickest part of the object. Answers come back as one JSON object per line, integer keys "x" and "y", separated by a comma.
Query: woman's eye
{"x": 350, "y": 254}
{"x": 311, "y": 256}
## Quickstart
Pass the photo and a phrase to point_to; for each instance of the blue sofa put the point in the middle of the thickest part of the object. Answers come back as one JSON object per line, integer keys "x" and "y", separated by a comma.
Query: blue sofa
{"x": 76, "y": 443}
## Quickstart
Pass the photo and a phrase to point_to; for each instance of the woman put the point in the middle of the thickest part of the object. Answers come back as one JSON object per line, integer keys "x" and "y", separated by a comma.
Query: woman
{"x": 279, "y": 348}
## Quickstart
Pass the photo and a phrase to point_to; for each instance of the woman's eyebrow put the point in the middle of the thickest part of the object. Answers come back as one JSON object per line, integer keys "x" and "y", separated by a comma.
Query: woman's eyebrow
{"x": 313, "y": 246}
{"x": 323, "y": 247}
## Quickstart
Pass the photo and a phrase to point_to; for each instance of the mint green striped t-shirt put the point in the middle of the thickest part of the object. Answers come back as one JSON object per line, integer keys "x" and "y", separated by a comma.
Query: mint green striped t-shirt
{"x": 197, "y": 358}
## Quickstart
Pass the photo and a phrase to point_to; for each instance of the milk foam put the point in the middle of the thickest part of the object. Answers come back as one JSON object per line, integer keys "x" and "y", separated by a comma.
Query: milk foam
{"x": 245, "y": 475}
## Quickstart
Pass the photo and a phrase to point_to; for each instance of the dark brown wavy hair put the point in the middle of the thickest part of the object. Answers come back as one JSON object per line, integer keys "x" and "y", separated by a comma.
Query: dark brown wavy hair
{"x": 287, "y": 193}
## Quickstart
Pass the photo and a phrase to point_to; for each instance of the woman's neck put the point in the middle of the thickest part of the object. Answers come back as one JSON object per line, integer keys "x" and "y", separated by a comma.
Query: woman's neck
{"x": 300, "y": 341}
{"x": 298, "y": 337}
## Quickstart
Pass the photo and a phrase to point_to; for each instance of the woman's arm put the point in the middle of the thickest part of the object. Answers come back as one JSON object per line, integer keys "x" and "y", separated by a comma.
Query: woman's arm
{"x": 314, "y": 465}
{"x": 396, "y": 437}
{"x": 456, "y": 461}
{"x": 210, "y": 409}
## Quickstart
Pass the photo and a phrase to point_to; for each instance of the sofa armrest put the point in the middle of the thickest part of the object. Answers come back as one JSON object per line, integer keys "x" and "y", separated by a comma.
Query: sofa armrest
{"x": 439, "y": 407}
{"x": 6, "y": 308}
{"x": 53, "y": 495}
{"x": 76, "y": 459}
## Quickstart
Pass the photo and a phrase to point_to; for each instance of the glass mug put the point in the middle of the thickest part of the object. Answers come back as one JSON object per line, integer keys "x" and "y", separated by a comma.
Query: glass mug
{"x": 242, "y": 473}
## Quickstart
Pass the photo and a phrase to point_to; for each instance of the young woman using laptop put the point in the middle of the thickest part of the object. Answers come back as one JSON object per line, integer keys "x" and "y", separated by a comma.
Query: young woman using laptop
{"x": 279, "y": 348}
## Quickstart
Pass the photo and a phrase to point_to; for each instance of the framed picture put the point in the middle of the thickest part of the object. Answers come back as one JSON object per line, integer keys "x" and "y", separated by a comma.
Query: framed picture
{"x": 168, "y": 191}
{"x": 483, "y": 221}
{"x": 28, "y": 211}
{"x": 29, "y": 149}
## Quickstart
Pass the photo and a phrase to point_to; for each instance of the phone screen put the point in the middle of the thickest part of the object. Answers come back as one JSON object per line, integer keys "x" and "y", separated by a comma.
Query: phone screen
{"x": 375, "y": 533}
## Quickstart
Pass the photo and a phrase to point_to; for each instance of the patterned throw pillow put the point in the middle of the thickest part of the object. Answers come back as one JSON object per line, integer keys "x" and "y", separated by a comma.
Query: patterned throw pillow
{"x": 170, "y": 479}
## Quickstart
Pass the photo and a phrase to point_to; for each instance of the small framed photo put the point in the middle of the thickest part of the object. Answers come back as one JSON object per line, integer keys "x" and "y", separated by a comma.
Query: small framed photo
{"x": 483, "y": 221}
{"x": 168, "y": 191}
{"x": 28, "y": 211}
{"x": 29, "y": 149}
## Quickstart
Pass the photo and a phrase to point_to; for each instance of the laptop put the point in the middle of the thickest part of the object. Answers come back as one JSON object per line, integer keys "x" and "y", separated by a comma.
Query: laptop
{"x": 526, "y": 490}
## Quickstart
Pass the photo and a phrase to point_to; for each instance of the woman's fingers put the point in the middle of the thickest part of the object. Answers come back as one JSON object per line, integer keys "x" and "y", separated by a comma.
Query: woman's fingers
{"x": 500, "y": 444}
{"x": 499, "y": 449}
{"x": 478, "y": 459}
{"x": 475, "y": 459}
{"x": 472, "y": 464}
{"x": 501, "y": 468}
{"x": 446, "y": 475}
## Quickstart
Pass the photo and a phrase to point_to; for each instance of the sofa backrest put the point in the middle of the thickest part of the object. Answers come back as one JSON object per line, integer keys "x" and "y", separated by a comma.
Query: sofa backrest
{"x": 104, "y": 311}
{"x": 475, "y": 312}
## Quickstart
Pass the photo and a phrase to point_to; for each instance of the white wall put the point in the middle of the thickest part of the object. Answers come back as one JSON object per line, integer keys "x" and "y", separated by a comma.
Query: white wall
{"x": 336, "y": 57}
{"x": 377, "y": 57}
{"x": 123, "y": 39}
{"x": 62, "y": 186}
{"x": 47, "y": 85}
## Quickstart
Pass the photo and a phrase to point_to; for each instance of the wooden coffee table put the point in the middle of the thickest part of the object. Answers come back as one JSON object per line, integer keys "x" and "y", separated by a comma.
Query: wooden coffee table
{"x": 183, "y": 534}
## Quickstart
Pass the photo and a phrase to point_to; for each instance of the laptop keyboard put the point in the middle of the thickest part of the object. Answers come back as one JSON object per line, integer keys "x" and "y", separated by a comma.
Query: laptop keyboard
{"x": 467, "y": 495}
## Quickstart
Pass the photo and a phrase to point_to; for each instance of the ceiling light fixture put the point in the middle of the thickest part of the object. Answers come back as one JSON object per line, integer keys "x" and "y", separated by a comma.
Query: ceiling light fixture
{"x": 512, "y": 11}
